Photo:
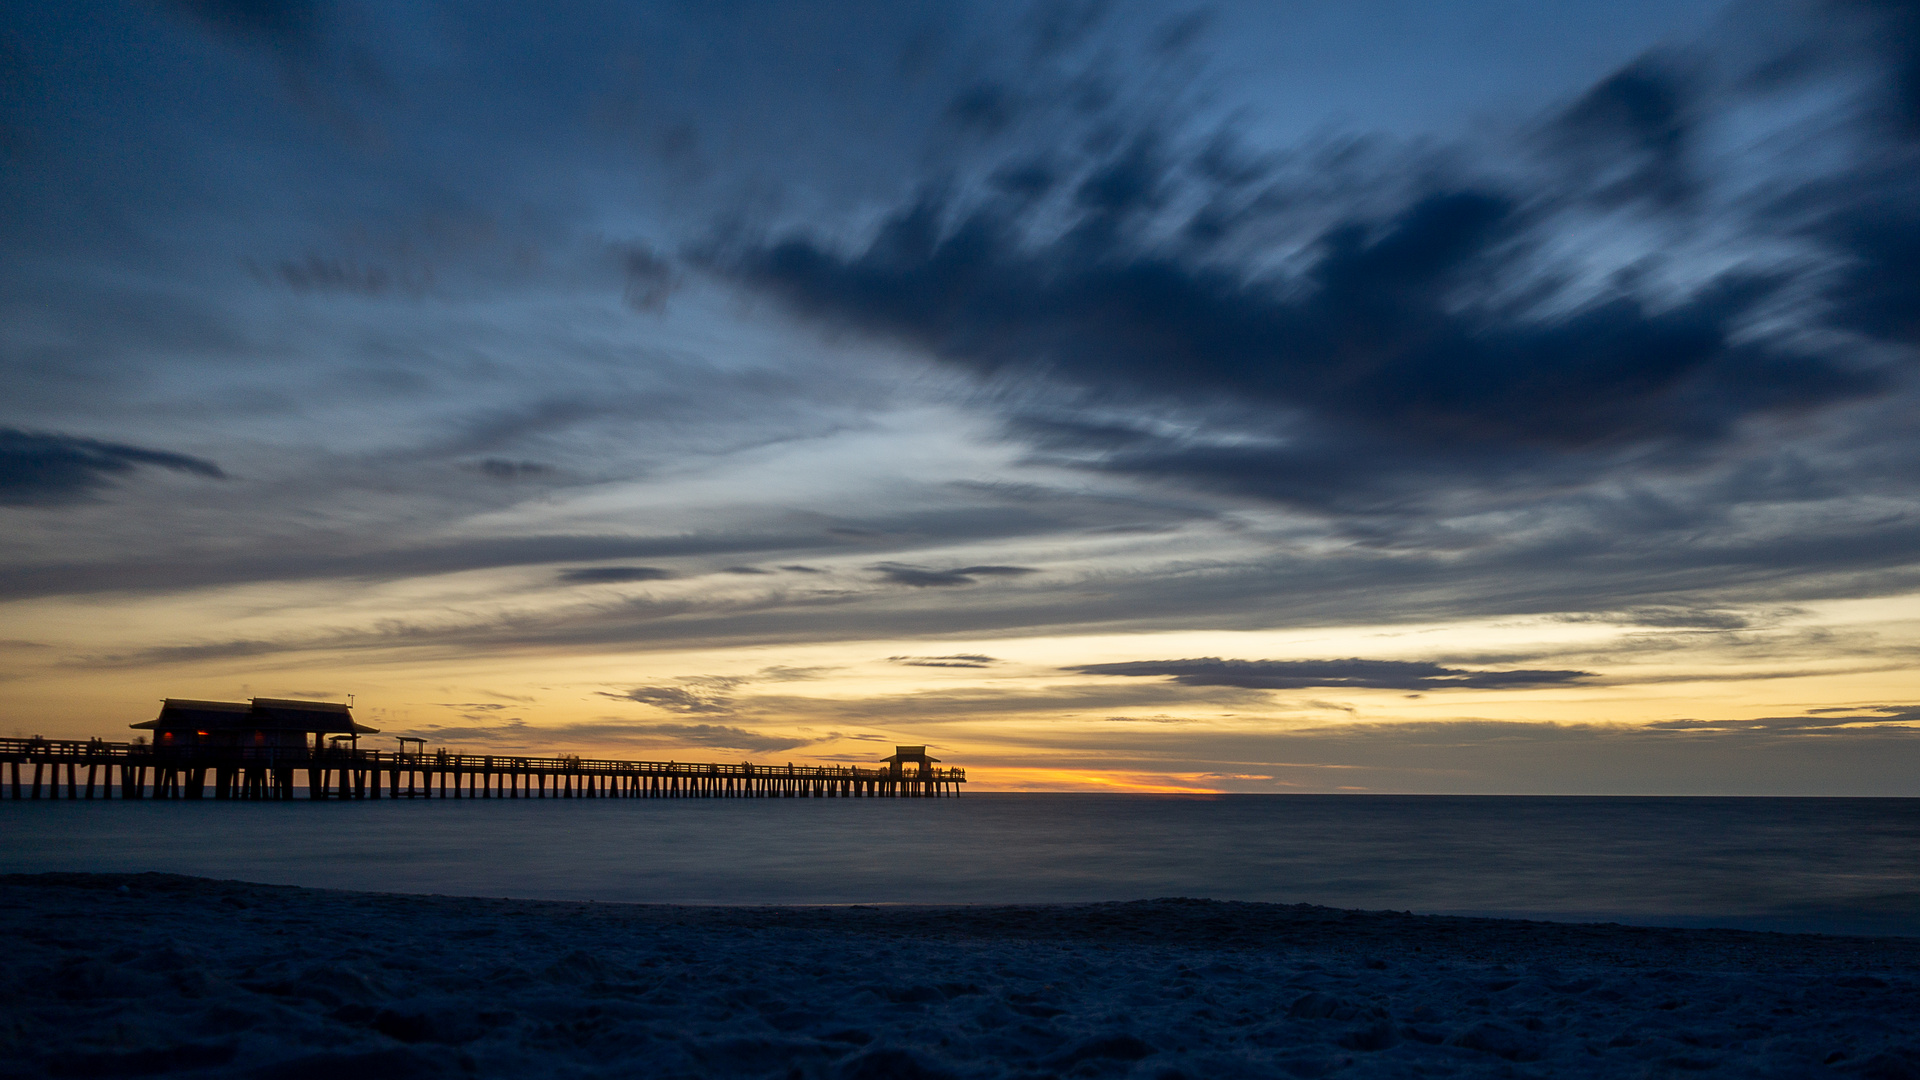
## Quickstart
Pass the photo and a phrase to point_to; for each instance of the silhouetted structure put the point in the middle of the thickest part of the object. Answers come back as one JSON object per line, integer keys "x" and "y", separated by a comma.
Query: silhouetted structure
{"x": 253, "y": 750}
{"x": 896, "y": 765}
{"x": 263, "y": 723}
{"x": 251, "y": 747}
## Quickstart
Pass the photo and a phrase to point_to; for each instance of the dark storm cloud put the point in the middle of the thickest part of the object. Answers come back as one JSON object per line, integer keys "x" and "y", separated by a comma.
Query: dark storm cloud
{"x": 613, "y": 575}
{"x": 1351, "y": 673}
{"x": 1630, "y": 134}
{"x": 53, "y": 470}
{"x": 1870, "y": 215}
{"x": 1880, "y": 292}
{"x": 1368, "y": 357}
{"x": 1379, "y": 346}
{"x": 1894, "y": 33}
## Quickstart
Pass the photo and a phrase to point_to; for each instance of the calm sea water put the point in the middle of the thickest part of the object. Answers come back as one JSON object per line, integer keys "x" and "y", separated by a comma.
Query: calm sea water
{"x": 1833, "y": 865}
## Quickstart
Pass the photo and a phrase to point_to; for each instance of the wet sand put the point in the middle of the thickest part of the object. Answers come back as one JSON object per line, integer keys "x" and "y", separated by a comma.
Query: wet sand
{"x": 162, "y": 975}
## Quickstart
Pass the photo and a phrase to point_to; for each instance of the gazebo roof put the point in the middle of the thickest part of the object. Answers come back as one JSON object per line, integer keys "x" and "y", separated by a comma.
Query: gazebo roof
{"x": 903, "y": 754}
{"x": 261, "y": 714}
{"x": 184, "y": 712}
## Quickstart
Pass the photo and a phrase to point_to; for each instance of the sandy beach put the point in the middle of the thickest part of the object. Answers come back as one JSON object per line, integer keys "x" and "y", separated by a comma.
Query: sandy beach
{"x": 152, "y": 975}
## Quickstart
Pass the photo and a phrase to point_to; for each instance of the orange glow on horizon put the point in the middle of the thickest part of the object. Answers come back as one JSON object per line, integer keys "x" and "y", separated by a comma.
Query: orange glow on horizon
{"x": 1031, "y": 779}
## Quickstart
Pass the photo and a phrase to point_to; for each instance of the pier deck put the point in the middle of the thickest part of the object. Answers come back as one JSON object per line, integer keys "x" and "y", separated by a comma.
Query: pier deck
{"x": 270, "y": 772}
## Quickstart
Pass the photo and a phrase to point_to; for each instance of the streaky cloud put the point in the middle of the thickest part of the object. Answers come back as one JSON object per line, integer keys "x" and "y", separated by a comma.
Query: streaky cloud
{"x": 1421, "y": 335}
{"x": 956, "y": 660}
{"x": 400, "y": 561}
{"x": 613, "y": 575}
{"x": 518, "y": 732}
{"x": 39, "y": 469}
{"x": 920, "y": 577}
{"x": 680, "y": 699}
{"x": 1352, "y": 673}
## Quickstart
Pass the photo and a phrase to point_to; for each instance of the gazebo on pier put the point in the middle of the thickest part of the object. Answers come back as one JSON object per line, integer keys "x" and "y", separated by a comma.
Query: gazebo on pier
{"x": 256, "y": 744}
{"x": 896, "y": 765}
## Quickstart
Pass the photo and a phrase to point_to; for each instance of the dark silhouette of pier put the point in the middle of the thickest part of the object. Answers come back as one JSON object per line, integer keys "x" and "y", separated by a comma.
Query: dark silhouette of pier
{"x": 256, "y": 749}
{"x": 139, "y": 770}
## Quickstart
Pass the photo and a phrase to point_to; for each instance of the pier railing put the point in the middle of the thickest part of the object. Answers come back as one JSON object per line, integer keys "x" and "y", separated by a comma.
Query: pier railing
{"x": 350, "y": 772}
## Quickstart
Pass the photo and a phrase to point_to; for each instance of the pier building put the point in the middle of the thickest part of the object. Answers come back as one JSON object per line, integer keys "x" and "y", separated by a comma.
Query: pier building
{"x": 280, "y": 723}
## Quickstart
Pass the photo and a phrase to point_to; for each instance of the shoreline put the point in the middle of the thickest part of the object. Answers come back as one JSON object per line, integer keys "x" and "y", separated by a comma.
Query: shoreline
{"x": 158, "y": 974}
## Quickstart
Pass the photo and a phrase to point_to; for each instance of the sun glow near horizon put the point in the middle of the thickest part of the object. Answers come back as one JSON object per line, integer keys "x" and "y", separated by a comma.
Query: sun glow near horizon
{"x": 1024, "y": 714}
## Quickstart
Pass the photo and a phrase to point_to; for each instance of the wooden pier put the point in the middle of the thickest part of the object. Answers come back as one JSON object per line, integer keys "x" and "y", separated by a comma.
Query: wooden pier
{"x": 141, "y": 771}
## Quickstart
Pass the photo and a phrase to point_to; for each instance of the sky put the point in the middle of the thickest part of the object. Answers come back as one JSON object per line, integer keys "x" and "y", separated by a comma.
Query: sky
{"x": 1373, "y": 396}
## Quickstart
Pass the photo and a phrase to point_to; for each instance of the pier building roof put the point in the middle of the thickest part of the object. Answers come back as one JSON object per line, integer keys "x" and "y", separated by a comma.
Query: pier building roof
{"x": 260, "y": 714}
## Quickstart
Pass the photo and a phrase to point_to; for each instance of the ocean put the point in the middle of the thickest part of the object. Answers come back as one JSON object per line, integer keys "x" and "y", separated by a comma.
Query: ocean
{"x": 1794, "y": 864}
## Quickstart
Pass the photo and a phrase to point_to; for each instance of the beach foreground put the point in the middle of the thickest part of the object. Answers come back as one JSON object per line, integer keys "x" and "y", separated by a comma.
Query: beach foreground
{"x": 150, "y": 974}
